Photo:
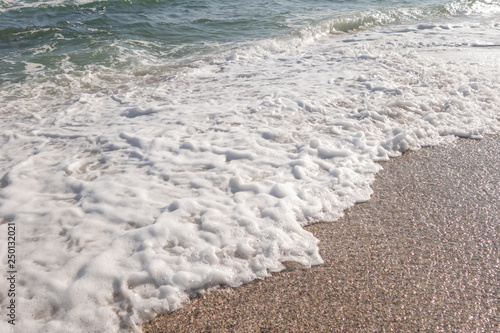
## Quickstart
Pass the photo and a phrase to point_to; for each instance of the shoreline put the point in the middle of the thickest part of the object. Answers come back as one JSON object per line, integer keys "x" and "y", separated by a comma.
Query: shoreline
{"x": 422, "y": 254}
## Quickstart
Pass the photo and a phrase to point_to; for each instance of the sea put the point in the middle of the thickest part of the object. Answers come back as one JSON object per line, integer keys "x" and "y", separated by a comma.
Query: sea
{"x": 152, "y": 150}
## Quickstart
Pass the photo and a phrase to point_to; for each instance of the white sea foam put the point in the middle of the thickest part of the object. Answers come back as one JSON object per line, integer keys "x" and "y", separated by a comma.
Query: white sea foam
{"x": 130, "y": 195}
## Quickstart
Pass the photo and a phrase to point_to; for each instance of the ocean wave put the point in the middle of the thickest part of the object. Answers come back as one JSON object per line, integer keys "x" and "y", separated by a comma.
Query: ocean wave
{"x": 366, "y": 19}
{"x": 164, "y": 187}
{"x": 142, "y": 179}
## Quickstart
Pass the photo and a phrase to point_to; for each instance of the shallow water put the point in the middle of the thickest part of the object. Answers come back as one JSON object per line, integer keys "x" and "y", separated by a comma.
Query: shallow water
{"x": 150, "y": 152}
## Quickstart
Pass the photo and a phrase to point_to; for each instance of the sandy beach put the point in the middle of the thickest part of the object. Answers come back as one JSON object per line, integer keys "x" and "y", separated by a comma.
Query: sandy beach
{"x": 422, "y": 255}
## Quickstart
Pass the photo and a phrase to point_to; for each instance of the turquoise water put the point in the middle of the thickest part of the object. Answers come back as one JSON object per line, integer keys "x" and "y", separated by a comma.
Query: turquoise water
{"x": 61, "y": 36}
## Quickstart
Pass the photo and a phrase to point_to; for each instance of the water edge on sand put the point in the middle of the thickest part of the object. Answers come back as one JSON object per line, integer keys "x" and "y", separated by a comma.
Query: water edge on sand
{"x": 426, "y": 259}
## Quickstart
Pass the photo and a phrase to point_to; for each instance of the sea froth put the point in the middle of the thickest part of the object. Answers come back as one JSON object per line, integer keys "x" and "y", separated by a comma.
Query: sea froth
{"x": 133, "y": 193}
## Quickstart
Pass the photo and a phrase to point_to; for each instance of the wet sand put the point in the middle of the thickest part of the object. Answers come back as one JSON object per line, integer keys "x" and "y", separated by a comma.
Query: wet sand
{"x": 422, "y": 255}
